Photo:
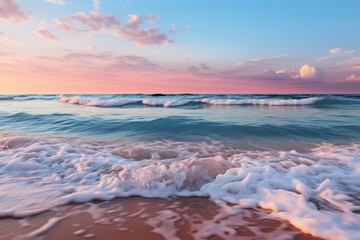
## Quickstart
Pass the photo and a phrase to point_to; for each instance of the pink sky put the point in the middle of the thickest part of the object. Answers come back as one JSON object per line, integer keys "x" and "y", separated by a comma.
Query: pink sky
{"x": 93, "y": 51}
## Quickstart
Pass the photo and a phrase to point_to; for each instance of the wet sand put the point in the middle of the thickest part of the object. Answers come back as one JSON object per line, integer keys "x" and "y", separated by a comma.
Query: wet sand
{"x": 150, "y": 218}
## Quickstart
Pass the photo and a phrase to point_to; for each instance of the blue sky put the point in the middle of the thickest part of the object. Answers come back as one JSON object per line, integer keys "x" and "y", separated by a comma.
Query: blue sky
{"x": 239, "y": 42}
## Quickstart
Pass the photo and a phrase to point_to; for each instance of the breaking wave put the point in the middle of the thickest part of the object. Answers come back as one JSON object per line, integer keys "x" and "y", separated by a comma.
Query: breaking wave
{"x": 175, "y": 102}
{"x": 39, "y": 174}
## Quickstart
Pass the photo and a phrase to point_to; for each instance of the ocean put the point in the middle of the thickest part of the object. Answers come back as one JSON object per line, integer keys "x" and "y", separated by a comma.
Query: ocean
{"x": 297, "y": 156}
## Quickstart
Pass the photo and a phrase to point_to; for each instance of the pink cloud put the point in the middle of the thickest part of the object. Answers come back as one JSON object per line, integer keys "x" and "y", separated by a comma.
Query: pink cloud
{"x": 44, "y": 33}
{"x": 353, "y": 78}
{"x": 306, "y": 72}
{"x": 132, "y": 62}
{"x": 4, "y": 36}
{"x": 96, "y": 21}
{"x": 109, "y": 72}
{"x": 112, "y": 62}
{"x": 11, "y": 12}
{"x": 63, "y": 24}
{"x": 132, "y": 30}
{"x": 204, "y": 66}
{"x": 309, "y": 72}
{"x": 196, "y": 69}
{"x": 151, "y": 18}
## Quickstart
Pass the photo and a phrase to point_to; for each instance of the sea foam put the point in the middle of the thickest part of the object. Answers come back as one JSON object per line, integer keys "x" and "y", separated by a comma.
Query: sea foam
{"x": 181, "y": 101}
{"x": 269, "y": 102}
{"x": 96, "y": 101}
{"x": 318, "y": 191}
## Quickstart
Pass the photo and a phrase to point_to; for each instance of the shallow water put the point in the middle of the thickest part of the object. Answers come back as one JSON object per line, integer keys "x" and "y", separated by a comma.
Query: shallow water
{"x": 296, "y": 155}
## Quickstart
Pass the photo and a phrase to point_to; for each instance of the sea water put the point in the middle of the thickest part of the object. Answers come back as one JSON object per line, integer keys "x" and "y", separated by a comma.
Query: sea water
{"x": 296, "y": 155}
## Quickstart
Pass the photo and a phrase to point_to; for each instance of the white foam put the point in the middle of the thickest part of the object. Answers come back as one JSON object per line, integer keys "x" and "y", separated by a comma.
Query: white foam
{"x": 79, "y": 232}
{"x": 46, "y": 227}
{"x": 165, "y": 102}
{"x": 262, "y": 102}
{"x": 175, "y": 102}
{"x": 318, "y": 192}
{"x": 164, "y": 224}
{"x": 96, "y": 101}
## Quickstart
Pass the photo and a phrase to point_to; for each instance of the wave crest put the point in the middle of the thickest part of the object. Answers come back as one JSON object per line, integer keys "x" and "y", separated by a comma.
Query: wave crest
{"x": 321, "y": 184}
{"x": 176, "y": 102}
{"x": 269, "y": 102}
{"x": 96, "y": 102}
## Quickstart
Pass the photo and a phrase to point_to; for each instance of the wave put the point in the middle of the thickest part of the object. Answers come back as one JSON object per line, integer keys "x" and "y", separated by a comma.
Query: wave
{"x": 96, "y": 102}
{"x": 175, "y": 102}
{"x": 166, "y": 103}
{"x": 263, "y": 102}
{"x": 28, "y": 97}
{"x": 321, "y": 184}
{"x": 173, "y": 127}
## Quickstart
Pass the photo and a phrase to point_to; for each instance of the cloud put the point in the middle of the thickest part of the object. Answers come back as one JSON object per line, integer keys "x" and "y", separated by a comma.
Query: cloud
{"x": 309, "y": 72}
{"x": 132, "y": 29}
{"x": 260, "y": 63}
{"x": 172, "y": 28}
{"x": 95, "y": 21}
{"x": 204, "y": 66}
{"x": 5, "y": 36}
{"x": 339, "y": 51}
{"x": 63, "y": 24}
{"x": 112, "y": 62}
{"x": 353, "y": 78}
{"x": 199, "y": 68}
{"x": 141, "y": 36}
{"x": 253, "y": 70}
{"x": 306, "y": 72}
{"x": 11, "y": 12}
{"x": 151, "y": 19}
{"x": 60, "y": 2}
{"x": 132, "y": 62}
{"x": 282, "y": 74}
{"x": 340, "y": 57}
{"x": 44, "y": 33}
{"x": 96, "y": 5}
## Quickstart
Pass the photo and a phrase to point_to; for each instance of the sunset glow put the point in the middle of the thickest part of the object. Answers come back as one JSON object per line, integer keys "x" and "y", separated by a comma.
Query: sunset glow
{"x": 139, "y": 46}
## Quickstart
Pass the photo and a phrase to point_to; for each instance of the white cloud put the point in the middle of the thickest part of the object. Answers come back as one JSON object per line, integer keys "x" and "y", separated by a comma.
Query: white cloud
{"x": 96, "y": 5}
{"x": 309, "y": 72}
{"x": 339, "y": 51}
{"x": 335, "y": 50}
{"x": 172, "y": 28}
{"x": 60, "y": 2}
{"x": 306, "y": 72}
{"x": 353, "y": 78}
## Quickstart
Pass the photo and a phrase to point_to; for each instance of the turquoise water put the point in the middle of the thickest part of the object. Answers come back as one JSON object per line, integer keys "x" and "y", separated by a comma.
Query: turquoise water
{"x": 329, "y": 118}
{"x": 295, "y": 155}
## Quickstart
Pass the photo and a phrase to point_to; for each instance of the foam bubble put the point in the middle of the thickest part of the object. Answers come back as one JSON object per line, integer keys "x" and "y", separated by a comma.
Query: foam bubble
{"x": 166, "y": 102}
{"x": 96, "y": 102}
{"x": 262, "y": 102}
{"x": 176, "y": 101}
{"x": 318, "y": 191}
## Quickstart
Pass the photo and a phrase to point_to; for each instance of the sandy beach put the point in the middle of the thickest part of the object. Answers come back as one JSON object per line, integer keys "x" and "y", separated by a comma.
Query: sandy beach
{"x": 149, "y": 218}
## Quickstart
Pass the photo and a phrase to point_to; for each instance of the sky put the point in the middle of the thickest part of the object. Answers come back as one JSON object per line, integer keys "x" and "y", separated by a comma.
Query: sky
{"x": 179, "y": 46}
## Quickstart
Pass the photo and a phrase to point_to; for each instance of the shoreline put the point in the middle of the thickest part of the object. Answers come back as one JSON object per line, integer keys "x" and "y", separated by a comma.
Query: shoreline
{"x": 150, "y": 218}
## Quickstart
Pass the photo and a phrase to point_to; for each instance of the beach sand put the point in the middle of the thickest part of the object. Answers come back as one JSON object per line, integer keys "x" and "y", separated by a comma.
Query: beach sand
{"x": 150, "y": 218}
